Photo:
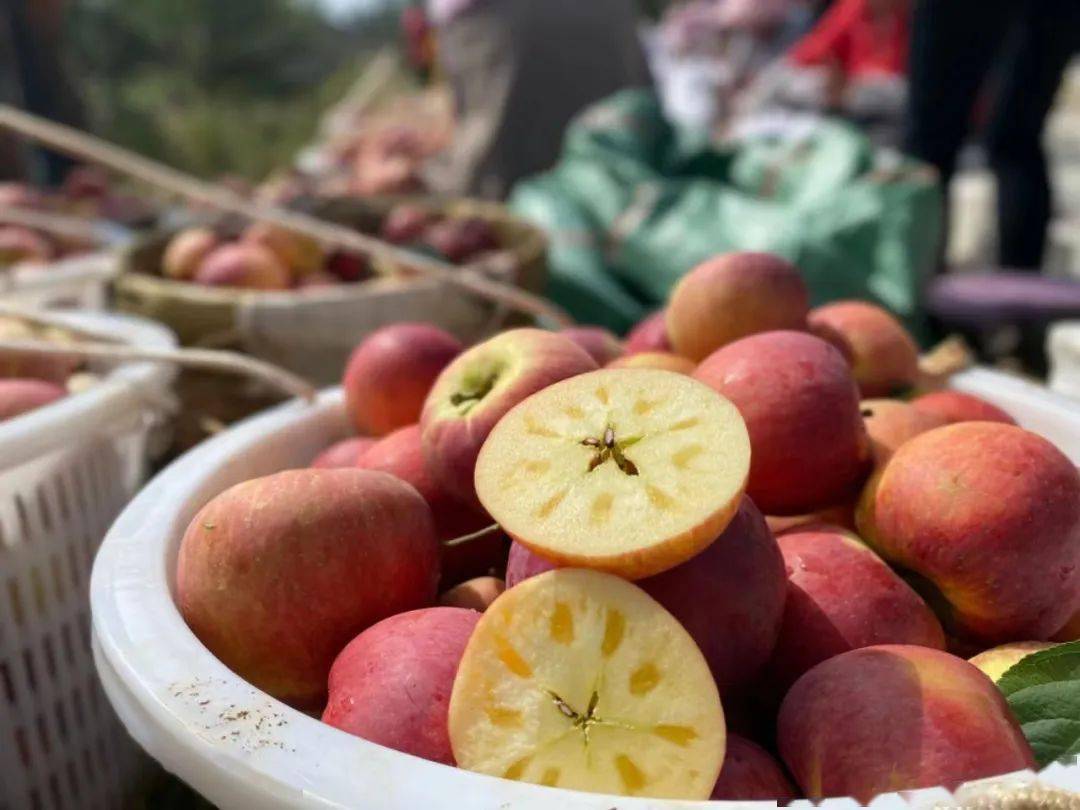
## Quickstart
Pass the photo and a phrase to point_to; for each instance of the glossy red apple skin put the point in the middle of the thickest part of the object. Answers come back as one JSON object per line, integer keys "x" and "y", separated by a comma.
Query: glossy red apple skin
{"x": 388, "y": 376}
{"x": 477, "y": 389}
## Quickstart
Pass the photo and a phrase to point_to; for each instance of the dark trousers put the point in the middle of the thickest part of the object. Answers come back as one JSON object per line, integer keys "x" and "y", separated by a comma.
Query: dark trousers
{"x": 1024, "y": 46}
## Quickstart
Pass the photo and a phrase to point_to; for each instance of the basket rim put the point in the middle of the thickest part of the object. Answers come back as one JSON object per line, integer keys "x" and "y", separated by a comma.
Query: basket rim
{"x": 77, "y": 416}
{"x": 149, "y": 661}
{"x": 98, "y": 265}
{"x": 531, "y": 248}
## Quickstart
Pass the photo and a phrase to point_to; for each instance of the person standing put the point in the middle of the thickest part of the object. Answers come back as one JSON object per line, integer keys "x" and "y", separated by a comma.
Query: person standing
{"x": 1025, "y": 46}
{"x": 34, "y": 76}
{"x": 519, "y": 71}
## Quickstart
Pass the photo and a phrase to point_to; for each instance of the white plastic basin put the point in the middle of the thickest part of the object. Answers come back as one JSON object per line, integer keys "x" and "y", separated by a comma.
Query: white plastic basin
{"x": 242, "y": 749}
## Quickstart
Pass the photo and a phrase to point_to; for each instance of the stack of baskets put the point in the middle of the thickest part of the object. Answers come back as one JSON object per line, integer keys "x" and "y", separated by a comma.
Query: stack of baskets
{"x": 66, "y": 472}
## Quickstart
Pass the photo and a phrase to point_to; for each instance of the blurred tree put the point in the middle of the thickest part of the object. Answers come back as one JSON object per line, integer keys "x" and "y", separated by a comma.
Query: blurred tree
{"x": 654, "y": 8}
{"x": 213, "y": 86}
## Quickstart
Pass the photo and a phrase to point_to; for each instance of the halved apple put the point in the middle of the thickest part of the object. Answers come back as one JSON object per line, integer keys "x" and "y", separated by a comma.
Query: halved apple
{"x": 629, "y": 471}
{"x": 581, "y": 680}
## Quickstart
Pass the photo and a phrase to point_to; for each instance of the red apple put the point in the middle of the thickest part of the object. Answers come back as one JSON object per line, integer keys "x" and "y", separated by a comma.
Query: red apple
{"x": 810, "y": 449}
{"x": 390, "y": 373}
{"x": 345, "y": 453}
{"x": 650, "y": 335}
{"x": 731, "y": 297}
{"x": 750, "y": 773}
{"x": 19, "y": 396}
{"x": 895, "y": 718}
{"x": 842, "y": 596}
{"x": 406, "y": 223}
{"x": 461, "y": 239}
{"x": 186, "y": 252}
{"x": 391, "y": 685}
{"x": 276, "y": 575}
{"x": 298, "y": 252}
{"x": 602, "y": 345}
{"x": 956, "y": 406}
{"x": 243, "y": 265}
{"x": 990, "y": 515}
{"x": 401, "y": 455}
{"x": 479, "y": 387}
{"x": 885, "y": 358}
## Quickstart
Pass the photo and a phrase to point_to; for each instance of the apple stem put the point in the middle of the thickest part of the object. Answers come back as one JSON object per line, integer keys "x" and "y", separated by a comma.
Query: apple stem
{"x": 454, "y": 542}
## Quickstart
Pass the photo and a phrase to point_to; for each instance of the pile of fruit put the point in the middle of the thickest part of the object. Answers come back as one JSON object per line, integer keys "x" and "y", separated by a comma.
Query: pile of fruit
{"x": 268, "y": 257}
{"x": 87, "y": 193}
{"x": 736, "y": 555}
{"x": 30, "y": 381}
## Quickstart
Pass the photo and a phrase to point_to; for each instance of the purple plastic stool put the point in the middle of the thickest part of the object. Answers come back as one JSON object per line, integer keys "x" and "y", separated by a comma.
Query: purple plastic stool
{"x": 982, "y": 300}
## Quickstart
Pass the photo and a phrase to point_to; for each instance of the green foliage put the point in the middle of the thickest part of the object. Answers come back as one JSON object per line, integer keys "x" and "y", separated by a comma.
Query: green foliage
{"x": 214, "y": 86}
{"x": 1043, "y": 690}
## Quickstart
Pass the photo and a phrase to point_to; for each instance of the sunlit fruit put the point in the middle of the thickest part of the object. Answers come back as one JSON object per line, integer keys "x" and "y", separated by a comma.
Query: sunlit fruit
{"x": 631, "y": 471}
{"x": 580, "y": 680}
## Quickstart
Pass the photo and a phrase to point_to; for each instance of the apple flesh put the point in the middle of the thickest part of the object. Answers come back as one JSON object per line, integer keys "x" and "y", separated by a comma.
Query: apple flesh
{"x": 956, "y": 406}
{"x": 989, "y": 514}
{"x": 732, "y": 296}
{"x": 247, "y": 266}
{"x": 602, "y": 345}
{"x": 750, "y": 773}
{"x": 276, "y": 575}
{"x": 890, "y": 423}
{"x": 629, "y": 471}
{"x": 390, "y": 373}
{"x": 477, "y": 389}
{"x": 885, "y": 358}
{"x": 474, "y": 594}
{"x": 580, "y": 680}
{"x": 650, "y": 335}
{"x": 186, "y": 252}
{"x": 19, "y": 396}
{"x": 840, "y": 597}
{"x": 997, "y": 661}
{"x": 801, "y": 406}
{"x": 665, "y": 361}
{"x": 730, "y": 597}
{"x": 345, "y": 453}
{"x": 401, "y": 455}
{"x": 392, "y": 683}
{"x": 896, "y": 718}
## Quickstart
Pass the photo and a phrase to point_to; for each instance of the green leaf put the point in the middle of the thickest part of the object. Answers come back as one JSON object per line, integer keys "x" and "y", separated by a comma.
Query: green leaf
{"x": 1043, "y": 690}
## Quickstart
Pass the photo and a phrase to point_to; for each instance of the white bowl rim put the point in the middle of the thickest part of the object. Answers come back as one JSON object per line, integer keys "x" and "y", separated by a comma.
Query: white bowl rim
{"x": 238, "y": 746}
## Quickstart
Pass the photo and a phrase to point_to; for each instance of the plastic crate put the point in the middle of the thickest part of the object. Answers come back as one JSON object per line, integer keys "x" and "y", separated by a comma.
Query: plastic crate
{"x": 80, "y": 282}
{"x": 66, "y": 472}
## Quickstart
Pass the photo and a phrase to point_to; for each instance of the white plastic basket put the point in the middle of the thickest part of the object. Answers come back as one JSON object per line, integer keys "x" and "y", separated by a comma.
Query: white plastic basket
{"x": 66, "y": 472}
{"x": 242, "y": 749}
{"x": 79, "y": 282}
{"x": 1063, "y": 348}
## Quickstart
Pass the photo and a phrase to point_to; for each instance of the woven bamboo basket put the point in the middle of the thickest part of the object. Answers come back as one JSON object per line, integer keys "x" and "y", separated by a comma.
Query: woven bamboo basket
{"x": 311, "y": 332}
{"x": 282, "y": 327}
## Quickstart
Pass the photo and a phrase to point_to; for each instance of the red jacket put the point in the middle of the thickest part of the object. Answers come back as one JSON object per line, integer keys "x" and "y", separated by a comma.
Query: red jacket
{"x": 850, "y": 37}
